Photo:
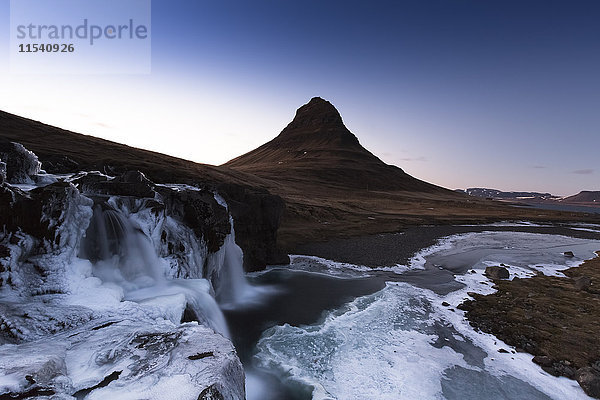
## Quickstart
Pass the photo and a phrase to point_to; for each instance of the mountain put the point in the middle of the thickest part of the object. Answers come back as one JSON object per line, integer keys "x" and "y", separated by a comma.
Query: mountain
{"x": 316, "y": 147}
{"x": 584, "y": 197}
{"x": 501, "y": 195}
{"x": 330, "y": 185}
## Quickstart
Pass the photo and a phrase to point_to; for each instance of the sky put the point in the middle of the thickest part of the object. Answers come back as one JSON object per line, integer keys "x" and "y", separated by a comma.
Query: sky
{"x": 498, "y": 94}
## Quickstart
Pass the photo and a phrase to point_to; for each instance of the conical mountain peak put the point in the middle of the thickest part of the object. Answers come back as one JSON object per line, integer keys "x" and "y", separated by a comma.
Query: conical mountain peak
{"x": 318, "y": 150}
{"x": 317, "y": 113}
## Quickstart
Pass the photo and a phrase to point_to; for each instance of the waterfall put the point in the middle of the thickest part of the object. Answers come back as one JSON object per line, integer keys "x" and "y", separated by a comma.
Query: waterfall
{"x": 120, "y": 251}
{"x": 232, "y": 288}
{"x": 123, "y": 255}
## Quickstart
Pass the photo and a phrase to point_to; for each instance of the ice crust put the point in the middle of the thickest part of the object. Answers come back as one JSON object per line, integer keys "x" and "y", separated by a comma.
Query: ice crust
{"x": 402, "y": 343}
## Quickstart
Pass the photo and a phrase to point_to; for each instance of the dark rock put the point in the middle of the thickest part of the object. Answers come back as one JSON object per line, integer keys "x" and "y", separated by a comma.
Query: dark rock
{"x": 200, "y": 356}
{"x": 589, "y": 380}
{"x": 568, "y": 254}
{"x": 257, "y": 215}
{"x": 502, "y": 351}
{"x": 21, "y": 164}
{"x": 130, "y": 183}
{"x": 555, "y": 368}
{"x": 582, "y": 282}
{"x": 445, "y": 304}
{"x": 38, "y": 212}
{"x": 56, "y": 164}
{"x": 199, "y": 210}
{"x": 211, "y": 393}
{"x": 2, "y": 172}
{"x": 497, "y": 273}
{"x": 543, "y": 361}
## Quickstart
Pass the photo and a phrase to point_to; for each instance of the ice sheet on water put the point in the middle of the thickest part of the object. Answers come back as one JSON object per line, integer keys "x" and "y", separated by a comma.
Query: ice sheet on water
{"x": 397, "y": 344}
{"x": 529, "y": 251}
{"x": 381, "y": 346}
{"x": 401, "y": 343}
{"x": 510, "y": 224}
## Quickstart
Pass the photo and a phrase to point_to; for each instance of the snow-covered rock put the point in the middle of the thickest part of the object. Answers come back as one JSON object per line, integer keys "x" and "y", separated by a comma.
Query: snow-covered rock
{"x": 21, "y": 164}
{"x": 103, "y": 292}
{"x": 124, "y": 359}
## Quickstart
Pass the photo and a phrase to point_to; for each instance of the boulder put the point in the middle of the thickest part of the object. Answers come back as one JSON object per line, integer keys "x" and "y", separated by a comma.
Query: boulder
{"x": 568, "y": 254}
{"x": 497, "y": 272}
{"x": 21, "y": 164}
{"x": 589, "y": 380}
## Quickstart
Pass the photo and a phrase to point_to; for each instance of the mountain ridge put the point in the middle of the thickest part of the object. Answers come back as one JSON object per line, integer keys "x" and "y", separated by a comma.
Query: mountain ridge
{"x": 320, "y": 204}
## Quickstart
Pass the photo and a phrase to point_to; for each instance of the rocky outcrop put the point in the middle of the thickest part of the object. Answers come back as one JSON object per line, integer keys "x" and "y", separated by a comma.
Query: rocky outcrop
{"x": 44, "y": 220}
{"x": 589, "y": 379}
{"x": 496, "y": 272}
{"x": 21, "y": 164}
{"x": 257, "y": 215}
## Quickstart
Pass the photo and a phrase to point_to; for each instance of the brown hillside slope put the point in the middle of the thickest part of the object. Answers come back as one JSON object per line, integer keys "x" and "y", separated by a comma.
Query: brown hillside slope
{"x": 336, "y": 189}
{"x": 61, "y": 150}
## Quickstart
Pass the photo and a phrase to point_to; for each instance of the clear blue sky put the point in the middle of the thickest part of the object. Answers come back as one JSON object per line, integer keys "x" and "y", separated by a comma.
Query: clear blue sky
{"x": 502, "y": 94}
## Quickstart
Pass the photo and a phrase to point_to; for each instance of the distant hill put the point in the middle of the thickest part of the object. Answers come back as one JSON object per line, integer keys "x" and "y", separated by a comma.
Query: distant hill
{"x": 501, "y": 195}
{"x": 584, "y": 197}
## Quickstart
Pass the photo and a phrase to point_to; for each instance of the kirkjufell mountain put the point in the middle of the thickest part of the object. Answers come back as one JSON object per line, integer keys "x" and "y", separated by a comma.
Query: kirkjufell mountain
{"x": 314, "y": 180}
{"x": 316, "y": 147}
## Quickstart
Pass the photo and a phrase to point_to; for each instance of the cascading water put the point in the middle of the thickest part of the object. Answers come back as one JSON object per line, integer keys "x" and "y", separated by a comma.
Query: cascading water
{"x": 121, "y": 253}
{"x": 124, "y": 256}
{"x": 232, "y": 288}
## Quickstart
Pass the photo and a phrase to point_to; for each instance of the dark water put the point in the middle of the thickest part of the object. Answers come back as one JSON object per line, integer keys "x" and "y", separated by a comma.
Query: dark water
{"x": 566, "y": 207}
